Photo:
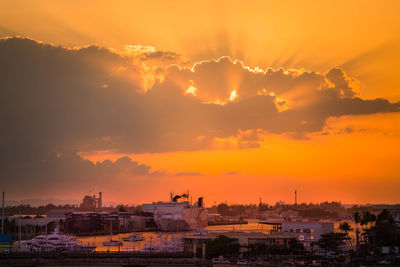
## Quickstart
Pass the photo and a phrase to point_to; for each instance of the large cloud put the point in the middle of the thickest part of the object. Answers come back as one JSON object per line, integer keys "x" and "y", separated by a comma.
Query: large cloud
{"x": 55, "y": 100}
{"x": 69, "y": 171}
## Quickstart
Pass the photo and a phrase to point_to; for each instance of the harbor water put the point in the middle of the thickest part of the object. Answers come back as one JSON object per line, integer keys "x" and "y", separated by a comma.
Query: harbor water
{"x": 154, "y": 238}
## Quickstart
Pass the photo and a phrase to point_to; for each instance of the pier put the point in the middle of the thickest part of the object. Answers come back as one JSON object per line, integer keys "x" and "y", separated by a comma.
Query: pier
{"x": 226, "y": 222}
{"x": 99, "y": 258}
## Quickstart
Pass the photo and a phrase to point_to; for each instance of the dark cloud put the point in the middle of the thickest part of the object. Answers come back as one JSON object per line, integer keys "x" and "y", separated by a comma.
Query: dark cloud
{"x": 216, "y": 79}
{"x": 152, "y": 57}
{"x": 70, "y": 172}
{"x": 342, "y": 131}
{"x": 55, "y": 101}
{"x": 164, "y": 55}
{"x": 231, "y": 173}
{"x": 340, "y": 82}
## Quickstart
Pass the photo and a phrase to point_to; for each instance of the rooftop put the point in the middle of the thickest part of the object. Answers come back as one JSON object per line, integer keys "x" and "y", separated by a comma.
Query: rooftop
{"x": 234, "y": 234}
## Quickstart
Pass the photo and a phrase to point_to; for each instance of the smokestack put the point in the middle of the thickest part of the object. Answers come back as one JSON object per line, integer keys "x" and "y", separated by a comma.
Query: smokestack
{"x": 200, "y": 202}
{"x": 100, "y": 201}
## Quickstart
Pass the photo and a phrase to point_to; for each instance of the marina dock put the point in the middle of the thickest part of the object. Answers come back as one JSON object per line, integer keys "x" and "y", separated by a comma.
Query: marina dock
{"x": 98, "y": 258}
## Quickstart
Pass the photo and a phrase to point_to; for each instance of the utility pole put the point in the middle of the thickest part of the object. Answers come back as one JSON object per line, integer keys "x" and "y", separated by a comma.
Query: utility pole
{"x": 2, "y": 215}
{"x": 19, "y": 230}
{"x": 295, "y": 197}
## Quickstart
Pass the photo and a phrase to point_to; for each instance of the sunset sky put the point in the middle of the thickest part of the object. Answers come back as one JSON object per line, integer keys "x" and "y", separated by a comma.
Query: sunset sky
{"x": 232, "y": 100}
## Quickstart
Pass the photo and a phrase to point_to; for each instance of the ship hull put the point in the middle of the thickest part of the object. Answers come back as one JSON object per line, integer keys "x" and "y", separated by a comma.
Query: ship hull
{"x": 189, "y": 219}
{"x": 177, "y": 216}
{"x": 173, "y": 225}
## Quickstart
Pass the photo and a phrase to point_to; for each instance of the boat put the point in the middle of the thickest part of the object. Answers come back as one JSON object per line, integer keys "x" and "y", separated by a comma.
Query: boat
{"x": 53, "y": 242}
{"x": 112, "y": 243}
{"x": 220, "y": 260}
{"x": 133, "y": 238}
{"x": 178, "y": 216}
{"x": 171, "y": 246}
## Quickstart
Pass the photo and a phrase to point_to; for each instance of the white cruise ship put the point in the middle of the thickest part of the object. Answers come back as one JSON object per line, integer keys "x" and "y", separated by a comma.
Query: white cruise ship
{"x": 178, "y": 216}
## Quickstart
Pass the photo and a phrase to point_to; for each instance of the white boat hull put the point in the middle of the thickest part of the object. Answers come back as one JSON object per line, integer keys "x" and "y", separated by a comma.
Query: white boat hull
{"x": 188, "y": 220}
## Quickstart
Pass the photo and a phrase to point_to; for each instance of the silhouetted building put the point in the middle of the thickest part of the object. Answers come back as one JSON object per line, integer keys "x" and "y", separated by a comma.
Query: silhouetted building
{"x": 306, "y": 232}
{"x": 131, "y": 221}
{"x": 58, "y": 213}
{"x": 102, "y": 221}
{"x": 195, "y": 242}
{"x": 91, "y": 202}
{"x": 91, "y": 222}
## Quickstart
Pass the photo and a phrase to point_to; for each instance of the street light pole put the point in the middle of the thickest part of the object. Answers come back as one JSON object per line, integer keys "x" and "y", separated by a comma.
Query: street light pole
{"x": 2, "y": 215}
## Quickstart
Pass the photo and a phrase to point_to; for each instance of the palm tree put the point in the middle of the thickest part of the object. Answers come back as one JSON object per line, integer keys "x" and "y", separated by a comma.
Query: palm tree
{"x": 331, "y": 241}
{"x": 346, "y": 228}
{"x": 384, "y": 217}
{"x": 367, "y": 217}
{"x": 357, "y": 217}
{"x": 357, "y": 220}
{"x": 364, "y": 219}
{"x": 368, "y": 236}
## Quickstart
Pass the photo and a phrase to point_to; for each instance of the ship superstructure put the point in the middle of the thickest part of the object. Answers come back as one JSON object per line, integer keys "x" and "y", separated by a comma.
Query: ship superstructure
{"x": 178, "y": 216}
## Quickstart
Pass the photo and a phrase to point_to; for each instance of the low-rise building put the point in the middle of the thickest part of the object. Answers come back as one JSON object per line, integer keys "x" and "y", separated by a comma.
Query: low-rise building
{"x": 131, "y": 221}
{"x": 58, "y": 213}
{"x": 277, "y": 239}
{"x": 91, "y": 222}
{"x": 307, "y": 232}
{"x": 103, "y": 221}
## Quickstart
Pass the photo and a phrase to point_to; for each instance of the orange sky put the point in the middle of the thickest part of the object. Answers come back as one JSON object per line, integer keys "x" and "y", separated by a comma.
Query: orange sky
{"x": 357, "y": 167}
{"x": 353, "y": 159}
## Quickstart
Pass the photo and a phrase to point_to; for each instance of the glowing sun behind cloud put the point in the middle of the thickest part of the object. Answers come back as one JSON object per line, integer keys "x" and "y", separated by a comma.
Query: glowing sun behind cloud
{"x": 191, "y": 90}
{"x": 233, "y": 95}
